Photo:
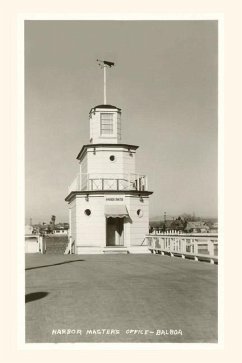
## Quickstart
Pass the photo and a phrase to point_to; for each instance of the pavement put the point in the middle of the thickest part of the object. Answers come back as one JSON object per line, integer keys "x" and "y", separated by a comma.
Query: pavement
{"x": 120, "y": 298}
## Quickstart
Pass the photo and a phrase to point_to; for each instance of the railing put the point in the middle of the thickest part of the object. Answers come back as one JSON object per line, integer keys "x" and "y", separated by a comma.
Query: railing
{"x": 199, "y": 247}
{"x": 70, "y": 248}
{"x": 96, "y": 181}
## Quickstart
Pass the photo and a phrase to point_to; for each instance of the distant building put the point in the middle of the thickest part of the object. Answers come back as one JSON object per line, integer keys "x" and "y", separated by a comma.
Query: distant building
{"x": 178, "y": 224}
{"x": 197, "y": 227}
{"x": 61, "y": 229}
{"x": 172, "y": 225}
{"x": 214, "y": 228}
{"x": 45, "y": 229}
{"x": 60, "y": 232}
{"x": 28, "y": 229}
{"x": 32, "y": 241}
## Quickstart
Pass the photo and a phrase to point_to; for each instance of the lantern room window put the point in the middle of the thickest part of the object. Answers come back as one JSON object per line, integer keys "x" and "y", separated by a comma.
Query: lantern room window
{"x": 106, "y": 124}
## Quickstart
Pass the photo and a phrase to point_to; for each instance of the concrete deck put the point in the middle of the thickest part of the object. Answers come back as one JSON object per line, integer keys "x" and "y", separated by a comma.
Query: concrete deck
{"x": 120, "y": 292}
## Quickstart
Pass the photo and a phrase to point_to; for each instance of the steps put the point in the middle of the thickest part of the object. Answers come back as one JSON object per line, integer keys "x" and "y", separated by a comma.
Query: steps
{"x": 115, "y": 250}
{"x": 56, "y": 245}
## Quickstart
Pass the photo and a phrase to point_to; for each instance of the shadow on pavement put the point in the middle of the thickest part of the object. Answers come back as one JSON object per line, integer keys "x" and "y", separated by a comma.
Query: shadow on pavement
{"x": 35, "y": 296}
{"x": 53, "y": 264}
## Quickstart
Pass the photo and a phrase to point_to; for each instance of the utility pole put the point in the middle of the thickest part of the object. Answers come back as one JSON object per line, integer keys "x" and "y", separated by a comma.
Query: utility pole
{"x": 164, "y": 221}
{"x": 104, "y": 85}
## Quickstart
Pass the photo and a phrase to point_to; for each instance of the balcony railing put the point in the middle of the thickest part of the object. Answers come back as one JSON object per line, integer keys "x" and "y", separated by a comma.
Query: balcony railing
{"x": 105, "y": 181}
{"x": 193, "y": 246}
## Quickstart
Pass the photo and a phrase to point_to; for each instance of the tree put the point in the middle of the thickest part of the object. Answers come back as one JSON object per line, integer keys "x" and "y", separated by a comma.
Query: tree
{"x": 178, "y": 224}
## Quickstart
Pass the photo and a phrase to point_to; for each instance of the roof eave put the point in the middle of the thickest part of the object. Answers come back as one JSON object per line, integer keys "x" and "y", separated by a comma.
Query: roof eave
{"x": 85, "y": 147}
{"x": 73, "y": 194}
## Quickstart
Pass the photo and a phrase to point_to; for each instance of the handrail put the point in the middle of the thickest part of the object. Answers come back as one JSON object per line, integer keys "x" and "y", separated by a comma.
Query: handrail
{"x": 199, "y": 246}
{"x": 70, "y": 246}
{"x": 106, "y": 181}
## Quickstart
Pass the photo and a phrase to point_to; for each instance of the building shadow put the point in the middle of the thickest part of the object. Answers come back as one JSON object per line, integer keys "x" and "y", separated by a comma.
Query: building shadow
{"x": 35, "y": 296}
{"x": 53, "y": 264}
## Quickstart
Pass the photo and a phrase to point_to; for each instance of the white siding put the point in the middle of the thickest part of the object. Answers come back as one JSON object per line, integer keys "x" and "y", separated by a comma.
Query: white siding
{"x": 140, "y": 225}
{"x": 83, "y": 165}
{"x": 83, "y": 173}
{"x": 129, "y": 162}
{"x": 91, "y": 230}
{"x": 100, "y": 162}
{"x": 72, "y": 220}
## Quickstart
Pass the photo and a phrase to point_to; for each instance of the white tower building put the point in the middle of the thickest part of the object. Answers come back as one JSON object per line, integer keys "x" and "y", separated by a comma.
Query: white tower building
{"x": 108, "y": 201}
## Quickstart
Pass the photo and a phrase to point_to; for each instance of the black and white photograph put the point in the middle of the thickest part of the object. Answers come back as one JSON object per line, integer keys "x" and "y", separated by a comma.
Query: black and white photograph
{"x": 121, "y": 181}
{"x": 121, "y": 160}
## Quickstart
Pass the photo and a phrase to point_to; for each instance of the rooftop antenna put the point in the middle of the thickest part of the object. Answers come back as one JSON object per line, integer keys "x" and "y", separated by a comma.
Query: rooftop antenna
{"x": 104, "y": 64}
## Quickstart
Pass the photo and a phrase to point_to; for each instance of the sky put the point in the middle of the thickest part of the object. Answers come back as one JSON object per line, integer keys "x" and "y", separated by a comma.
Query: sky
{"x": 165, "y": 82}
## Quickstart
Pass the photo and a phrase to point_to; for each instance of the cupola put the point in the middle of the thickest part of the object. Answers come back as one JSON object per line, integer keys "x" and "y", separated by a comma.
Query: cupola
{"x": 105, "y": 124}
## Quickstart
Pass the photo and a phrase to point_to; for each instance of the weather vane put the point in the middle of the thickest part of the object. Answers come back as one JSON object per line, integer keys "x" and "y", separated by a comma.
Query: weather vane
{"x": 104, "y": 64}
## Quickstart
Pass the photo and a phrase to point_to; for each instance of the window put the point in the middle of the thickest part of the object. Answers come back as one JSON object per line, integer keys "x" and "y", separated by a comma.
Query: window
{"x": 106, "y": 124}
{"x": 139, "y": 213}
{"x": 87, "y": 212}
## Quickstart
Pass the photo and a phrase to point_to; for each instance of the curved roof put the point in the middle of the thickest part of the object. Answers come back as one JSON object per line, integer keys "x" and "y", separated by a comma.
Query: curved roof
{"x": 106, "y": 106}
{"x": 94, "y": 146}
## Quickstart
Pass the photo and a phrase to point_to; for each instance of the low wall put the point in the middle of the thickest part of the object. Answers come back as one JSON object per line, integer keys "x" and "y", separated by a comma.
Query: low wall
{"x": 34, "y": 244}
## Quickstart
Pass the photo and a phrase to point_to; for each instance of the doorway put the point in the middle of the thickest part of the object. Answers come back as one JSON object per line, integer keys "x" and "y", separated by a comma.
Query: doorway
{"x": 114, "y": 231}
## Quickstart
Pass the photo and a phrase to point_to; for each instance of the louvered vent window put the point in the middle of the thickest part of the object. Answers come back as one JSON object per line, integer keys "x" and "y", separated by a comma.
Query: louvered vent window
{"x": 106, "y": 124}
